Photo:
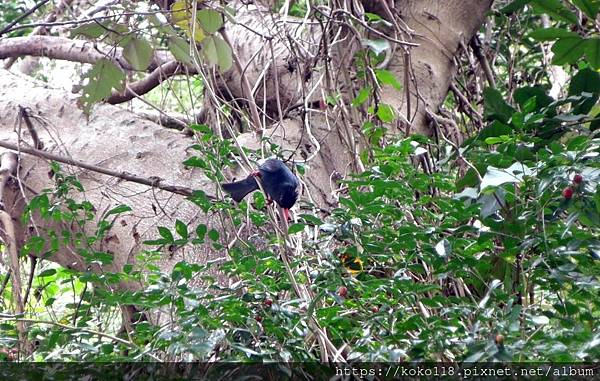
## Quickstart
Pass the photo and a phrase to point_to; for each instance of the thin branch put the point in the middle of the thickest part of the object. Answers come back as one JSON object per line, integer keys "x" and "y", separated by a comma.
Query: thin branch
{"x": 23, "y": 16}
{"x": 148, "y": 83}
{"x": 154, "y": 182}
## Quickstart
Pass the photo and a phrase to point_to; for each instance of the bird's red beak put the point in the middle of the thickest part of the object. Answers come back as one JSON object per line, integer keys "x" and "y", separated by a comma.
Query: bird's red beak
{"x": 286, "y": 214}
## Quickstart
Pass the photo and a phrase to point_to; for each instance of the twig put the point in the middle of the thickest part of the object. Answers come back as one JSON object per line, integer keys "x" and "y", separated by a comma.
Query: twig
{"x": 23, "y": 16}
{"x": 24, "y": 114}
{"x": 154, "y": 182}
{"x": 485, "y": 65}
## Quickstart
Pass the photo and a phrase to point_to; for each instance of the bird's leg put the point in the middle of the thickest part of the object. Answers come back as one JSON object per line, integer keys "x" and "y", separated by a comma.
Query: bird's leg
{"x": 255, "y": 173}
{"x": 269, "y": 200}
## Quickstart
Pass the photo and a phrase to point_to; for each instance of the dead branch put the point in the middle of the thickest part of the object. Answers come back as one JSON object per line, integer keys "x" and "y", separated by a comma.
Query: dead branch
{"x": 151, "y": 182}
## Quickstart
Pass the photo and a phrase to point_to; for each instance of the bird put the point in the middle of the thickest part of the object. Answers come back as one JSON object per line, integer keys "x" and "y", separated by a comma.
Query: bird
{"x": 279, "y": 183}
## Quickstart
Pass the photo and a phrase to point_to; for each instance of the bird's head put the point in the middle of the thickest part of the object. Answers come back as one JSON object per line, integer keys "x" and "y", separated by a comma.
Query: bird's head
{"x": 288, "y": 196}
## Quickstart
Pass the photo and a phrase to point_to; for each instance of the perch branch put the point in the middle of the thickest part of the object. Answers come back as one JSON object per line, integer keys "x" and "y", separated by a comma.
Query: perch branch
{"x": 154, "y": 182}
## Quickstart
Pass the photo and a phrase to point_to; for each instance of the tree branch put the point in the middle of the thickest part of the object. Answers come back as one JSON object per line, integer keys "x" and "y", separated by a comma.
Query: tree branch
{"x": 151, "y": 182}
{"x": 148, "y": 83}
{"x": 61, "y": 48}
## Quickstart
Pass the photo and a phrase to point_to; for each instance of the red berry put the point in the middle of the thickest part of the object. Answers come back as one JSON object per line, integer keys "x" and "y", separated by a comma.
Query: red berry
{"x": 568, "y": 193}
{"x": 258, "y": 318}
{"x": 577, "y": 179}
{"x": 499, "y": 339}
{"x": 375, "y": 309}
{"x": 268, "y": 302}
{"x": 342, "y": 291}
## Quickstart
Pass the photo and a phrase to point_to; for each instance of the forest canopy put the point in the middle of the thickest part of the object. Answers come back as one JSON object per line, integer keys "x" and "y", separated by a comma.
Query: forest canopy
{"x": 447, "y": 156}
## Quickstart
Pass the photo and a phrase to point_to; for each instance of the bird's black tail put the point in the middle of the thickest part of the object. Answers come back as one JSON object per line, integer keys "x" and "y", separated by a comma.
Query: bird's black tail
{"x": 239, "y": 189}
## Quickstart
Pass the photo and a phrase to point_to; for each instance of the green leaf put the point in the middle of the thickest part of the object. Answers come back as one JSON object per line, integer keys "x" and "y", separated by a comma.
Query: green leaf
{"x": 310, "y": 219}
{"x": 201, "y": 231}
{"x": 592, "y": 52}
{"x": 514, "y": 6}
{"x": 495, "y": 106}
{"x": 90, "y": 30}
{"x": 385, "y": 113}
{"x": 555, "y": 9}
{"x": 180, "y": 49}
{"x": 496, "y": 128}
{"x": 568, "y": 50}
{"x": 102, "y": 78}
{"x": 138, "y": 53}
{"x": 295, "y": 228}
{"x": 210, "y": 20}
{"x": 386, "y": 77}
{"x": 47, "y": 273}
{"x": 166, "y": 234}
{"x": 589, "y": 7}
{"x": 217, "y": 52}
{"x": 213, "y": 234}
{"x": 585, "y": 81}
{"x": 524, "y": 94}
{"x": 224, "y": 54}
{"x": 362, "y": 96}
{"x": 118, "y": 210}
{"x": 181, "y": 229}
{"x": 550, "y": 34}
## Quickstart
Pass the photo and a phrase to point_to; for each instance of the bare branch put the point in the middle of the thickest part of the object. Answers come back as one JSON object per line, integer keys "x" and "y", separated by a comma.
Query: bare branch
{"x": 151, "y": 182}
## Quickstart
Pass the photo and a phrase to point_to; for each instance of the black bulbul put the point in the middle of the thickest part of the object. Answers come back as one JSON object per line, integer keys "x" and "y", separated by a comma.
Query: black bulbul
{"x": 280, "y": 184}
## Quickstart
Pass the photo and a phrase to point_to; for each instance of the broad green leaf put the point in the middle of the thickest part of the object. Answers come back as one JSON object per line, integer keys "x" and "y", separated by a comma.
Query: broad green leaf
{"x": 592, "y": 52}
{"x": 118, "y": 210}
{"x": 165, "y": 233}
{"x": 514, "y": 6}
{"x": 181, "y": 229}
{"x": 589, "y": 7}
{"x": 209, "y": 49}
{"x": 495, "y": 106}
{"x": 180, "y": 49}
{"x": 295, "y": 228}
{"x": 224, "y": 54}
{"x": 211, "y": 21}
{"x": 496, "y": 128}
{"x": 550, "y": 34}
{"x": 568, "y": 50}
{"x": 585, "y": 81}
{"x": 524, "y": 94}
{"x": 555, "y": 9}
{"x": 385, "y": 113}
{"x": 201, "y": 231}
{"x": 101, "y": 79}
{"x": 90, "y": 30}
{"x": 363, "y": 95}
{"x": 138, "y": 53}
{"x": 386, "y": 77}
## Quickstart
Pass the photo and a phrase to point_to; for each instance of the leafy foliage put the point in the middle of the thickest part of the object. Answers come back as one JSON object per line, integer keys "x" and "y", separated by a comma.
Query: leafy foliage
{"x": 493, "y": 256}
